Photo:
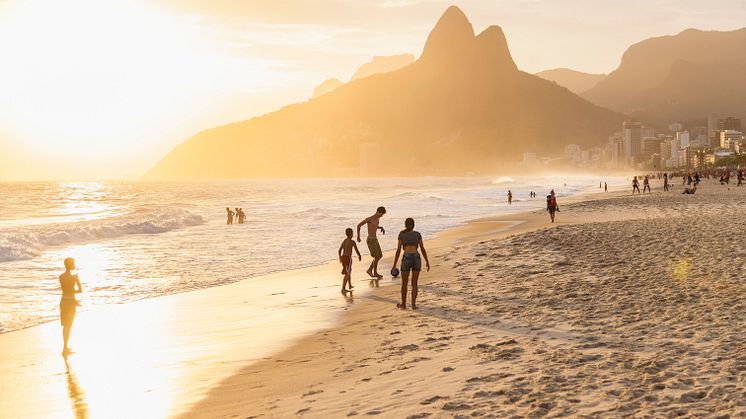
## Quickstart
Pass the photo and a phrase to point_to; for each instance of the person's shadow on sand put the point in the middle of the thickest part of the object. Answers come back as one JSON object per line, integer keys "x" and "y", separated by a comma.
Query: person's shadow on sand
{"x": 75, "y": 394}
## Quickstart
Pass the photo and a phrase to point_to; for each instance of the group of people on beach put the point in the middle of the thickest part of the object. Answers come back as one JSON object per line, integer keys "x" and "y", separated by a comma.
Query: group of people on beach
{"x": 409, "y": 242}
{"x": 238, "y": 215}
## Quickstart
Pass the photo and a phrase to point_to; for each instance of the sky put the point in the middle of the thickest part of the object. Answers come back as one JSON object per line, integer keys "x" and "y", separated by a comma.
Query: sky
{"x": 102, "y": 89}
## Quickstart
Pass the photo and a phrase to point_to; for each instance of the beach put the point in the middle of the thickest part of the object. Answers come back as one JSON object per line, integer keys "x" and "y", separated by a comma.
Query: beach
{"x": 627, "y": 305}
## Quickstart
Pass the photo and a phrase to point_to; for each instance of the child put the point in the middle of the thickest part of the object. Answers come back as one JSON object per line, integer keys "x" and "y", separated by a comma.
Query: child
{"x": 345, "y": 258}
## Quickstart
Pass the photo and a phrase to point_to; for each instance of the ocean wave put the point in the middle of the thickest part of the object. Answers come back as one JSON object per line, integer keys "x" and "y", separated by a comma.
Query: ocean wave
{"x": 416, "y": 195}
{"x": 502, "y": 180}
{"x": 27, "y": 243}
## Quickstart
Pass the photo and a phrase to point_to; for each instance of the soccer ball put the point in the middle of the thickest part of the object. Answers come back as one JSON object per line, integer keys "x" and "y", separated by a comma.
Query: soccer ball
{"x": 394, "y": 272}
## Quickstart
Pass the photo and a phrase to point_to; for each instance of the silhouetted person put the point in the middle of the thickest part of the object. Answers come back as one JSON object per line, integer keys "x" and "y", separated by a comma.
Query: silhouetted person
{"x": 230, "y": 215}
{"x": 236, "y": 212}
{"x": 372, "y": 241}
{"x": 646, "y": 185}
{"x": 552, "y": 206}
{"x": 240, "y": 215}
{"x": 510, "y": 197}
{"x": 409, "y": 240}
{"x": 70, "y": 285}
{"x": 606, "y": 187}
{"x": 665, "y": 182}
{"x": 635, "y": 185}
{"x": 345, "y": 258}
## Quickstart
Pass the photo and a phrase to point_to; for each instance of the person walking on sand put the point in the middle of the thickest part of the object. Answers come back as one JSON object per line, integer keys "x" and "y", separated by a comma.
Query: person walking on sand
{"x": 68, "y": 304}
{"x": 410, "y": 240}
{"x": 230, "y": 215}
{"x": 552, "y": 206}
{"x": 345, "y": 258}
{"x": 606, "y": 187}
{"x": 510, "y": 197}
{"x": 635, "y": 185}
{"x": 646, "y": 185}
{"x": 665, "y": 182}
{"x": 240, "y": 215}
{"x": 374, "y": 247}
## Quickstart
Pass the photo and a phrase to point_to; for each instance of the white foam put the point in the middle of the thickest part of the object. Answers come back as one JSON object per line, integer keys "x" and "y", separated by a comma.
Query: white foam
{"x": 28, "y": 242}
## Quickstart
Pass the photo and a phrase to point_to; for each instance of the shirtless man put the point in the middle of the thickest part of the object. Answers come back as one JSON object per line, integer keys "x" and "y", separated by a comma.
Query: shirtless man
{"x": 230, "y": 214}
{"x": 68, "y": 304}
{"x": 373, "y": 246}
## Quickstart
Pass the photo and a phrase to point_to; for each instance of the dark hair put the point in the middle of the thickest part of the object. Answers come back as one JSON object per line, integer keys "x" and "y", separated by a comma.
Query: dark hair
{"x": 348, "y": 231}
{"x": 408, "y": 224}
{"x": 382, "y": 210}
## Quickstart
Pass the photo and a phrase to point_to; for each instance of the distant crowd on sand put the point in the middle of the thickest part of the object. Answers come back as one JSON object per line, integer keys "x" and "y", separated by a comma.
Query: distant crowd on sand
{"x": 690, "y": 180}
{"x": 238, "y": 215}
{"x": 552, "y": 206}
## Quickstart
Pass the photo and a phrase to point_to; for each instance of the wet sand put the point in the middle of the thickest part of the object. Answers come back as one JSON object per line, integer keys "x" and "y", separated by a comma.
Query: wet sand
{"x": 626, "y": 306}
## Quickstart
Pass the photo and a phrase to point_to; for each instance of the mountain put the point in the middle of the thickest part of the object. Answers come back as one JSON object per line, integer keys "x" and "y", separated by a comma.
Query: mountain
{"x": 577, "y": 81}
{"x": 462, "y": 108}
{"x": 679, "y": 77}
{"x": 379, "y": 64}
{"x": 325, "y": 87}
{"x": 383, "y": 64}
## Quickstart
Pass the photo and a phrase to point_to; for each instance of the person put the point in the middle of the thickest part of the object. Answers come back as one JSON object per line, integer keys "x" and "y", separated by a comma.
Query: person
{"x": 646, "y": 185}
{"x": 345, "y": 258}
{"x": 236, "y": 212}
{"x": 552, "y": 206}
{"x": 739, "y": 176}
{"x": 240, "y": 215}
{"x": 510, "y": 197}
{"x": 230, "y": 215}
{"x": 410, "y": 240}
{"x": 635, "y": 185}
{"x": 690, "y": 191}
{"x": 665, "y": 182}
{"x": 372, "y": 241}
{"x": 70, "y": 285}
{"x": 606, "y": 187}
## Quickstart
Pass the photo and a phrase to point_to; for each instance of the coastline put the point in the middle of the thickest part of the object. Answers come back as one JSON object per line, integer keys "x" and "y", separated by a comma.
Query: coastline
{"x": 546, "y": 326}
{"x": 201, "y": 337}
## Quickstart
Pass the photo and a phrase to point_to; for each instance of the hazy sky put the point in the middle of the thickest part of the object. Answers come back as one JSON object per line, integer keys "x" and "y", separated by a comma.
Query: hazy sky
{"x": 104, "y": 88}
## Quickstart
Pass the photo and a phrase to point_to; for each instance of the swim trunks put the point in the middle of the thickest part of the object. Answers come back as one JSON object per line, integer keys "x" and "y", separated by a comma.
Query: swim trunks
{"x": 346, "y": 264}
{"x": 374, "y": 247}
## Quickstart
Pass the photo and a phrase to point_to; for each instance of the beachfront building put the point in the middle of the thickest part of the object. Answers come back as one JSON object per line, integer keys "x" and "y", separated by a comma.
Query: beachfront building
{"x": 616, "y": 155}
{"x": 729, "y": 123}
{"x": 632, "y": 132}
{"x": 713, "y": 120}
{"x": 731, "y": 140}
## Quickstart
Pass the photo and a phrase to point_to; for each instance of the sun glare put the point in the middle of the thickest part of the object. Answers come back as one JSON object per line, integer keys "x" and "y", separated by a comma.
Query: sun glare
{"x": 85, "y": 78}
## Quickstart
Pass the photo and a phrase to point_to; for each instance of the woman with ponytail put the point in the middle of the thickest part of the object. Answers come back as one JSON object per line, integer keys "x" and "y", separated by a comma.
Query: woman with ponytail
{"x": 410, "y": 241}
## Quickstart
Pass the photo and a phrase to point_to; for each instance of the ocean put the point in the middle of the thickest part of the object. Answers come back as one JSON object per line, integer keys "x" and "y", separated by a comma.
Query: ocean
{"x": 135, "y": 240}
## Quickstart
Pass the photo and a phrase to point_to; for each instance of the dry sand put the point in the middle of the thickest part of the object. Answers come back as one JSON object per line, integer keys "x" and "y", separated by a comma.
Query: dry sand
{"x": 631, "y": 305}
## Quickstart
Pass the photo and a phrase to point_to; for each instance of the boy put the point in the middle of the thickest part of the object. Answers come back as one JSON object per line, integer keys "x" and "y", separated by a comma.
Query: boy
{"x": 345, "y": 258}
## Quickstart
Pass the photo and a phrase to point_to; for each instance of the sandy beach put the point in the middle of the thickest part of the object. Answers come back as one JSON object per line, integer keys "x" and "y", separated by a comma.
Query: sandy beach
{"x": 630, "y": 305}
{"x": 627, "y": 305}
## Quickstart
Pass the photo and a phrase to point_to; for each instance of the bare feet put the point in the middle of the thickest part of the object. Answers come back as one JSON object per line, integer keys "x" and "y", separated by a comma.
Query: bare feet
{"x": 414, "y": 307}
{"x": 379, "y": 276}
{"x": 370, "y": 273}
{"x": 66, "y": 352}
{"x": 401, "y": 306}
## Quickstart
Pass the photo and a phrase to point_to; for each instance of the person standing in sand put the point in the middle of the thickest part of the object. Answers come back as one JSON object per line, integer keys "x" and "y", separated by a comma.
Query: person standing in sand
{"x": 374, "y": 247}
{"x": 646, "y": 185}
{"x": 635, "y": 185}
{"x": 552, "y": 206}
{"x": 606, "y": 187}
{"x": 665, "y": 182}
{"x": 229, "y": 213}
{"x": 345, "y": 258}
{"x": 410, "y": 241}
{"x": 68, "y": 304}
{"x": 510, "y": 197}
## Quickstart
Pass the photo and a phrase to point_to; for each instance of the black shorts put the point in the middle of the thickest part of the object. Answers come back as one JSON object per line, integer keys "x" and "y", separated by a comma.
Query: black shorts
{"x": 411, "y": 262}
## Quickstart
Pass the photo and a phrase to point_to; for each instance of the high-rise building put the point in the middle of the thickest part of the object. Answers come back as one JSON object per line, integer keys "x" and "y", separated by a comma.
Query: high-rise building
{"x": 632, "y": 141}
{"x": 647, "y": 132}
{"x": 712, "y": 128}
{"x": 731, "y": 140}
{"x": 683, "y": 138}
{"x": 729, "y": 123}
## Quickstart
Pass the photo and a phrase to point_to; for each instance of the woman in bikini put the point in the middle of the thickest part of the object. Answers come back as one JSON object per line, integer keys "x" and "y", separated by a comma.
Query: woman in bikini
{"x": 410, "y": 241}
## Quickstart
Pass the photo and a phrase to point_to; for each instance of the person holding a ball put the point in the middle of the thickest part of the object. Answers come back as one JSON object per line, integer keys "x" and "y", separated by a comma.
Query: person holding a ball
{"x": 410, "y": 241}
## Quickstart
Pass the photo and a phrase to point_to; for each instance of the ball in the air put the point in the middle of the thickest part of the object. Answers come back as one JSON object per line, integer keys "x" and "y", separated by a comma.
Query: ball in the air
{"x": 394, "y": 272}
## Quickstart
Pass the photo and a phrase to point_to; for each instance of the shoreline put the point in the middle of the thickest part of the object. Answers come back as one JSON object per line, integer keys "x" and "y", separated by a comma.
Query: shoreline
{"x": 538, "y": 351}
{"x": 202, "y": 343}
